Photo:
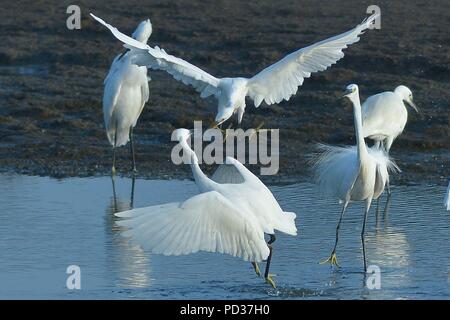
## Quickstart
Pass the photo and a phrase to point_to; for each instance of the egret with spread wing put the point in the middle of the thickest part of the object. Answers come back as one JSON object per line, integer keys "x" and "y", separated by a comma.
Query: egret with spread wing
{"x": 355, "y": 173}
{"x": 126, "y": 92}
{"x": 230, "y": 215}
{"x": 274, "y": 84}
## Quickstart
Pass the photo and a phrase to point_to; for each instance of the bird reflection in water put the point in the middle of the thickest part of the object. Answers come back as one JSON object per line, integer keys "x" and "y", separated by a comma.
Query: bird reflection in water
{"x": 382, "y": 214}
{"x": 390, "y": 245}
{"x": 129, "y": 261}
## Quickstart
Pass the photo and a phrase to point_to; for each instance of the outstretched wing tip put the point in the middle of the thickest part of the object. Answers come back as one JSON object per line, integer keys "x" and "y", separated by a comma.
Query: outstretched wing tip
{"x": 281, "y": 80}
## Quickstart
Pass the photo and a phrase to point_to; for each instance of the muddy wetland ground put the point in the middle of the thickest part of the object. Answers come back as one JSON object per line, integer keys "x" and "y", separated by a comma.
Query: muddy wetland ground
{"x": 51, "y": 81}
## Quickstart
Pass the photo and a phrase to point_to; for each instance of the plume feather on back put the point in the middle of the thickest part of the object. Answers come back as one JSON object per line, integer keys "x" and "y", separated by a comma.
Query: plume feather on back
{"x": 336, "y": 168}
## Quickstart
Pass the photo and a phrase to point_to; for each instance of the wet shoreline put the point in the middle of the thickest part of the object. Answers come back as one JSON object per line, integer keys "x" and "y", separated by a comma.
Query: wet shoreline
{"x": 432, "y": 173}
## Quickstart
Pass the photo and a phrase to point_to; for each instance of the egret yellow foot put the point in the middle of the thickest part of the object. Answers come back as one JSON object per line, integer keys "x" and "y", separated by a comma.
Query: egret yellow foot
{"x": 270, "y": 281}
{"x": 113, "y": 171}
{"x": 332, "y": 260}
{"x": 256, "y": 267}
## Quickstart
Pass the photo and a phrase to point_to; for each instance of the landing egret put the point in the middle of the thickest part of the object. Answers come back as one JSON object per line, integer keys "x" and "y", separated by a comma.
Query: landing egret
{"x": 355, "y": 173}
{"x": 126, "y": 92}
{"x": 230, "y": 215}
{"x": 274, "y": 84}
{"x": 384, "y": 115}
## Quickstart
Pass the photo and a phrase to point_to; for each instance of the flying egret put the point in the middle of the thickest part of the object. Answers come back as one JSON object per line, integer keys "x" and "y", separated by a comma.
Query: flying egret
{"x": 274, "y": 84}
{"x": 355, "y": 173}
{"x": 230, "y": 215}
{"x": 384, "y": 115}
{"x": 126, "y": 92}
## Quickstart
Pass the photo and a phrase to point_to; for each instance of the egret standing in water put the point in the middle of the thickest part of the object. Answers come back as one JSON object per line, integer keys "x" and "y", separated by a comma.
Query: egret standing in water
{"x": 355, "y": 173}
{"x": 385, "y": 115}
{"x": 126, "y": 92}
{"x": 230, "y": 215}
{"x": 274, "y": 84}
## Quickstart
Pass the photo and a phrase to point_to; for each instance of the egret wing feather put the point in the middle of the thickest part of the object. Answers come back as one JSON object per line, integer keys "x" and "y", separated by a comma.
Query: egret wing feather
{"x": 227, "y": 173}
{"x": 113, "y": 69}
{"x": 181, "y": 70}
{"x": 113, "y": 85}
{"x": 335, "y": 169}
{"x": 281, "y": 80}
{"x": 234, "y": 170}
{"x": 382, "y": 117}
{"x": 205, "y": 222}
{"x": 158, "y": 59}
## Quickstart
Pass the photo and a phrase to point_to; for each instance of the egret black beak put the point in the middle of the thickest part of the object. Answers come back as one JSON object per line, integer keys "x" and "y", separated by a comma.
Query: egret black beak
{"x": 124, "y": 53}
{"x": 346, "y": 93}
{"x": 413, "y": 105}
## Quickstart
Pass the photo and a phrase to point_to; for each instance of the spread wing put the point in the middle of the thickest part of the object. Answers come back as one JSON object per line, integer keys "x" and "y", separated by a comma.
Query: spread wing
{"x": 158, "y": 59}
{"x": 281, "y": 80}
{"x": 227, "y": 173}
{"x": 205, "y": 222}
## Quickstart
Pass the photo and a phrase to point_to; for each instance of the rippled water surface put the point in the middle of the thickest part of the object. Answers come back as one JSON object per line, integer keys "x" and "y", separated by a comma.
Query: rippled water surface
{"x": 47, "y": 225}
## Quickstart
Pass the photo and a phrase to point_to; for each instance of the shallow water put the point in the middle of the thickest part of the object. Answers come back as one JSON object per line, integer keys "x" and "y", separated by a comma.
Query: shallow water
{"x": 47, "y": 225}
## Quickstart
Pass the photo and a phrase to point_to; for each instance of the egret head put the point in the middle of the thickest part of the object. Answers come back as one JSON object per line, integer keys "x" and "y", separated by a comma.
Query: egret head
{"x": 143, "y": 31}
{"x": 181, "y": 135}
{"x": 406, "y": 96}
{"x": 351, "y": 91}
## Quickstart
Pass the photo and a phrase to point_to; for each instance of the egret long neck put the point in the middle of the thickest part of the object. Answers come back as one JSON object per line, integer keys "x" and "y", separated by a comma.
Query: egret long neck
{"x": 201, "y": 180}
{"x": 362, "y": 150}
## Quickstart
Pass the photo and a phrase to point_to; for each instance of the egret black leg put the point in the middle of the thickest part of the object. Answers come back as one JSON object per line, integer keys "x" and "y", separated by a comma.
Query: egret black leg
{"x": 333, "y": 258}
{"x": 269, "y": 259}
{"x": 132, "y": 192}
{"x": 338, "y": 227}
{"x": 366, "y": 211}
{"x": 113, "y": 169}
{"x": 114, "y": 194}
{"x": 133, "y": 159}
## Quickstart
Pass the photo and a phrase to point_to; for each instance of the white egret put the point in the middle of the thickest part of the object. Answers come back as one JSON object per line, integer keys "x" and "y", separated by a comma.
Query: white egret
{"x": 126, "y": 92}
{"x": 355, "y": 173}
{"x": 385, "y": 115}
{"x": 447, "y": 197}
{"x": 230, "y": 215}
{"x": 274, "y": 84}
